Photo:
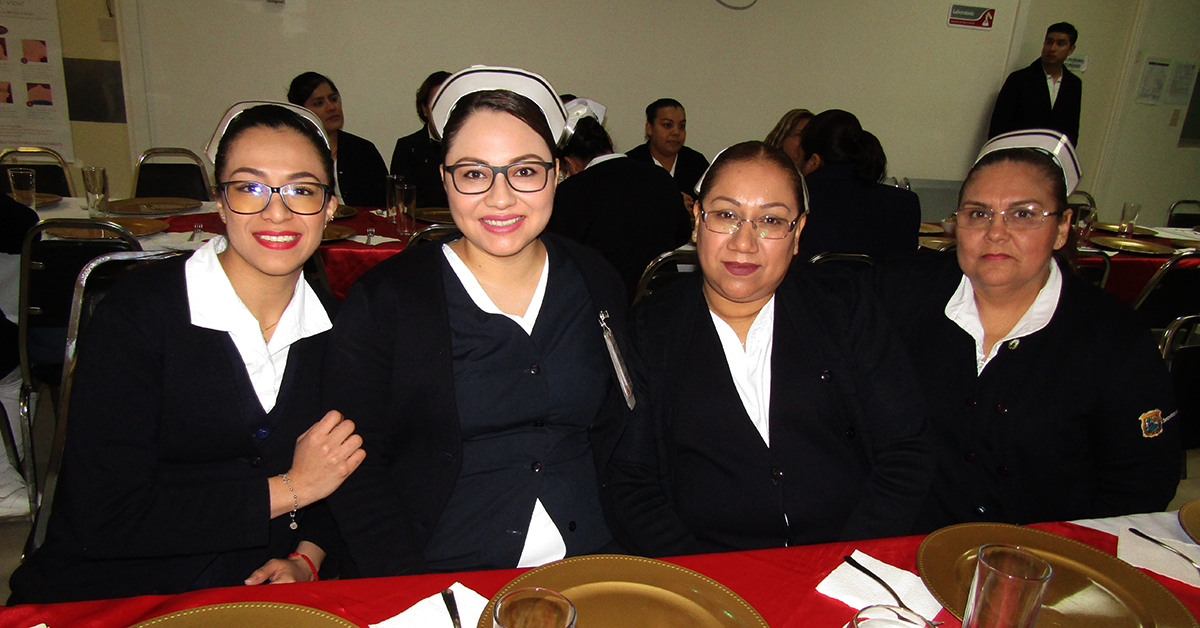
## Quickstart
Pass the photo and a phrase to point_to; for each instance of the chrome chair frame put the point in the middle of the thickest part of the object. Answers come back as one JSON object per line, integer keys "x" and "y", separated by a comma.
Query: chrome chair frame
{"x": 1105, "y": 263}
{"x": 1158, "y": 278}
{"x": 42, "y": 151}
{"x": 431, "y": 233}
{"x": 151, "y": 153}
{"x": 678, "y": 256}
{"x": 860, "y": 258}
{"x": 1176, "y": 204}
{"x": 1170, "y": 345}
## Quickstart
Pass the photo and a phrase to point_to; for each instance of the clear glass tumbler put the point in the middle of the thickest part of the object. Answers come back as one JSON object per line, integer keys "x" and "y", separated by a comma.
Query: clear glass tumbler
{"x": 1007, "y": 589}
{"x": 534, "y": 608}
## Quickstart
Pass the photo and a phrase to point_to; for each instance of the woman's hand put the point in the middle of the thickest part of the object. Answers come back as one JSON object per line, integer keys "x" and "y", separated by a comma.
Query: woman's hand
{"x": 293, "y": 569}
{"x": 324, "y": 457}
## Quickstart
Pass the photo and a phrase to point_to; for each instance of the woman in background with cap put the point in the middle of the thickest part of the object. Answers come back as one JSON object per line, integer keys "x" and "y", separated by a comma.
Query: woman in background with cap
{"x": 192, "y": 459}
{"x": 477, "y": 369}
{"x": 1049, "y": 399}
{"x": 361, "y": 173}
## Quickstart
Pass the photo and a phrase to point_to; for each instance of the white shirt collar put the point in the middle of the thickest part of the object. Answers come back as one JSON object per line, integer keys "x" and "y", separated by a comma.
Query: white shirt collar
{"x": 213, "y": 304}
{"x": 672, "y": 168}
{"x": 603, "y": 158}
{"x": 963, "y": 310}
{"x": 750, "y": 365}
{"x": 484, "y": 302}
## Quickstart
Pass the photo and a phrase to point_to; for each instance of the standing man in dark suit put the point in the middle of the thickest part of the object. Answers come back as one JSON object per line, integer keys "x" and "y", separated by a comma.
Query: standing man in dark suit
{"x": 666, "y": 131}
{"x": 1044, "y": 95}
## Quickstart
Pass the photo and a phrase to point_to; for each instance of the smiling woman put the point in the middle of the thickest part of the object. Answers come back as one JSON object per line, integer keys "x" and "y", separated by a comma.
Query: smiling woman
{"x": 773, "y": 408}
{"x": 203, "y": 460}
{"x": 477, "y": 370}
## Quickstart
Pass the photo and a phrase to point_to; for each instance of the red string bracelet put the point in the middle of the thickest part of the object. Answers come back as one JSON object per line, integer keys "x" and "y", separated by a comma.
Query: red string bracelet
{"x": 311, "y": 566}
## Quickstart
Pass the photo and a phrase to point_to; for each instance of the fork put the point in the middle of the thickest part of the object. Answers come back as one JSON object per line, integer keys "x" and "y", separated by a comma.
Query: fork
{"x": 451, "y": 607}
{"x": 370, "y": 234}
{"x": 1164, "y": 545}
{"x": 197, "y": 229}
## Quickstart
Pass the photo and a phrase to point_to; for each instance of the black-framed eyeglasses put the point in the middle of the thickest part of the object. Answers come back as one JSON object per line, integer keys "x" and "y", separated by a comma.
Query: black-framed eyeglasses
{"x": 1017, "y": 218}
{"x": 522, "y": 176}
{"x": 728, "y": 223}
{"x": 251, "y": 197}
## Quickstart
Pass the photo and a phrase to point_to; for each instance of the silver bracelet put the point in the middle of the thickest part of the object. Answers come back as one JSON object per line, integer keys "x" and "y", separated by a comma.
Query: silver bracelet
{"x": 295, "y": 500}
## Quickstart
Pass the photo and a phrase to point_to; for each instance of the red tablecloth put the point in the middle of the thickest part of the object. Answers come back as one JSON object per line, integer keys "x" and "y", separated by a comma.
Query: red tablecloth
{"x": 779, "y": 583}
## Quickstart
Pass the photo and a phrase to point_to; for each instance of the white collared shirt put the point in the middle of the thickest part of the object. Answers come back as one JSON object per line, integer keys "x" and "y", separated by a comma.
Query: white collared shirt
{"x": 1053, "y": 84}
{"x": 213, "y": 304}
{"x": 603, "y": 158}
{"x": 750, "y": 365}
{"x": 671, "y": 169}
{"x": 543, "y": 541}
{"x": 963, "y": 310}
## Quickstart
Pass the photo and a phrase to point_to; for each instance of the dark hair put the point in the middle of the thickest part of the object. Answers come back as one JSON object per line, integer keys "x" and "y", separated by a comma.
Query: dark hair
{"x": 304, "y": 85}
{"x": 838, "y": 138}
{"x": 1064, "y": 28}
{"x": 754, "y": 151}
{"x": 589, "y": 141}
{"x": 431, "y": 83}
{"x": 661, "y": 103}
{"x": 272, "y": 117}
{"x": 503, "y": 101}
{"x": 1039, "y": 160}
{"x": 785, "y": 126}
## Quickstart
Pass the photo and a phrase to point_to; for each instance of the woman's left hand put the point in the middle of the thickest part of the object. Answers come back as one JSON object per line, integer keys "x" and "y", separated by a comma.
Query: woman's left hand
{"x": 294, "y": 569}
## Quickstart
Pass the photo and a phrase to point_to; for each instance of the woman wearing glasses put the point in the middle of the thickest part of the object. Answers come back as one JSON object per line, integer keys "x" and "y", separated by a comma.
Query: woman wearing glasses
{"x": 1049, "y": 401}
{"x": 774, "y": 410}
{"x": 196, "y": 447}
{"x": 477, "y": 369}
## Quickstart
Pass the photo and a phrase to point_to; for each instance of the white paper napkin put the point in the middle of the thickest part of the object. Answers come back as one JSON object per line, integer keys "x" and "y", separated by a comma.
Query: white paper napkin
{"x": 431, "y": 612}
{"x": 375, "y": 239}
{"x": 1139, "y": 552}
{"x": 175, "y": 241}
{"x": 857, "y": 590}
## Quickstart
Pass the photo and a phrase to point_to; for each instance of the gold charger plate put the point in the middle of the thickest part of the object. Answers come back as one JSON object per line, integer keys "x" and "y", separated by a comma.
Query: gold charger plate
{"x": 1185, "y": 244}
{"x": 344, "y": 211}
{"x": 1189, "y": 518}
{"x": 1132, "y": 246}
{"x": 1088, "y": 589}
{"x": 934, "y": 243}
{"x": 439, "y": 215}
{"x": 248, "y": 615}
{"x": 611, "y": 591}
{"x": 157, "y": 206}
{"x": 931, "y": 227}
{"x": 137, "y": 226}
{"x": 1114, "y": 228}
{"x": 337, "y": 232}
{"x": 43, "y": 199}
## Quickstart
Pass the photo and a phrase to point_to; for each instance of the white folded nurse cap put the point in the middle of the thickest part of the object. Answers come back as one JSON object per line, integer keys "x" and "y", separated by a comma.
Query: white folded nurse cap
{"x": 210, "y": 151}
{"x": 1048, "y": 141}
{"x": 482, "y": 78}
{"x": 700, "y": 182}
{"x": 581, "y": 108}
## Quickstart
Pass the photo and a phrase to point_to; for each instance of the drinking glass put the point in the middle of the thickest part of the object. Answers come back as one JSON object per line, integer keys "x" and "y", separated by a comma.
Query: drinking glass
{"x": 390, "y": 189}
{"x": 1007, "y": 589}
{"x": 24, "y": 186}
{"x": 406, "y": 203}
{"x": 1129, "y": 216}
{"x": 884, "y": 616}
{"x": 1085, "y": 223}
{"x": 534, "y": 608}
{"x": 95, "y": 183}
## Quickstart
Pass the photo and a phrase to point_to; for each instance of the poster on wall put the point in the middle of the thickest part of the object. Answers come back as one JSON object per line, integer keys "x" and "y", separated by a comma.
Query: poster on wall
{"x": 33, "y": 95}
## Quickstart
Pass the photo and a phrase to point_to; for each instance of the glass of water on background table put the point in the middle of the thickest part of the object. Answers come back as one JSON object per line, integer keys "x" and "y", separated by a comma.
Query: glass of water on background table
{"x": 95, "y": 183}
{"x": 23, "y": 182}
{"x": 406, "y": 204}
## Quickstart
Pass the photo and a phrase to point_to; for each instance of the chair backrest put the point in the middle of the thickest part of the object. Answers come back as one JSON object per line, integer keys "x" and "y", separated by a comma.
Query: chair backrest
{"x": 1182, "y": 218}
{"x": 665, "y": 269}
{"x": 1095, "y": 274}
{"x": 431, "y": 233}
{"x": 1173, "y": 291}
{"x": 1181, "y": 350}
{"x": 153, "y": 177}
{"x": 51, "y": 169}
{"x": 94, "y": 282}
{"x": 849, "y": 260}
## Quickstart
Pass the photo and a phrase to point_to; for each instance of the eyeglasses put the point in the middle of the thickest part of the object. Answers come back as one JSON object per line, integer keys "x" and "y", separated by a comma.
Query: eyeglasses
{"x": 251, "y": 197}
{"x": 727, "y": 222}
{"x": 1017, "y": 218}
{"x": 522, "y": 176}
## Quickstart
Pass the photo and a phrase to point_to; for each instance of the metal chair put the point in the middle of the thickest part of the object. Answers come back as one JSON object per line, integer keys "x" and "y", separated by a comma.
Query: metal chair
{"x": 665, "y": 269}
{"x": 1181, "y": 349}
{"x": 1095, "y": 274}
{"x": 1183, "y": 219}
{"x": 49, "y": 269}
{"x": 1173, "y": 291}
{"x": 843, "y": 259}
{"x": 51, "y": 169}
{"x": 152, "y": 178}
{"x": 94, "y": 281}
{"x": 431, "y": 233}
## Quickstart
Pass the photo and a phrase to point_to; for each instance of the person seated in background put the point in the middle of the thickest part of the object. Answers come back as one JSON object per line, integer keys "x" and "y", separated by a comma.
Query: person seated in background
{"x": 1049, "y": 399}
{"x": 361, "y": 173}
{"x": 666, "y": 131}
{"x": 417, "y": 157}
{"x": 786, "y": 134}
{"x": 477, "y": 370}
{"x": 773, "y": 407}
{"x": 852, "y": 212}
{"x": 628, "y": 210}
{"x": 196, "y": 455}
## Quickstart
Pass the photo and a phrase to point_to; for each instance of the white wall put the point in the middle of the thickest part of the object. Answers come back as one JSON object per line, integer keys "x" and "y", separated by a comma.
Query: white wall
{"x": 924, "y": 88}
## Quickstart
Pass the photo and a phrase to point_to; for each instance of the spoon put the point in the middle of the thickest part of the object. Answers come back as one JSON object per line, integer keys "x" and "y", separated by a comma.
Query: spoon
{"x": 452, "y": 606}
{"x": 1164, "y": 545}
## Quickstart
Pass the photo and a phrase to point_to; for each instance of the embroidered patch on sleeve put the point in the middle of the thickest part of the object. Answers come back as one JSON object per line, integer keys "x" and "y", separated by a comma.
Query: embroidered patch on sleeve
{"x": 1152, "y": 423}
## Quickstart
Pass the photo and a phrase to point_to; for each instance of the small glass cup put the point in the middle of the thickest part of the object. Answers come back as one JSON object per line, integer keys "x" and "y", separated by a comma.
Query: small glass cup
{"x": 95, "y": 183}
{"x": 1085, "y": 223}
{"x": 23, "y": 182}
{"x": 884, "y": 616}
{"x": 406, "y": 204}
{"x": 390, "y": 190}
{"x": 533, "y": 608}
{"x": 1007, "y": 589}
{"x": 1129, "y": 216}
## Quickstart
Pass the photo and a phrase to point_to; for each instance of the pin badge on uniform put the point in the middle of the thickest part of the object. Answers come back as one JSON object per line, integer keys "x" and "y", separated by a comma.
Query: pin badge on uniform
{"x": 614, "y": 352}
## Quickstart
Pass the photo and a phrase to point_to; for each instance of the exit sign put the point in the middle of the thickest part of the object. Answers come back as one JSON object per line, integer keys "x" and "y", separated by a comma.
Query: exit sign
{"x": 963, "y": 16}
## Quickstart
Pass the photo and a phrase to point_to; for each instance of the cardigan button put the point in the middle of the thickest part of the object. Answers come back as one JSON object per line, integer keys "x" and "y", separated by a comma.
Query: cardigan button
{"x": 536, "y": 467}
{"x": 982, "y": 510}
{"x": 850, "y": 433}
{"x": 826, "y": 375}
{"x": 539, "y": 424}
{"x": 1002, "y": 471}
{"x": 571, "y": 526}
{"x": 533, "y": 370}
{"x": 256, "y": 462}
{"x": 262, "y": 433}
{"x": 1001, "y": 409}
{"x": 969, "y": 456}
{"x": 776, "y": 475}
{"x": 972, "y": 401}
